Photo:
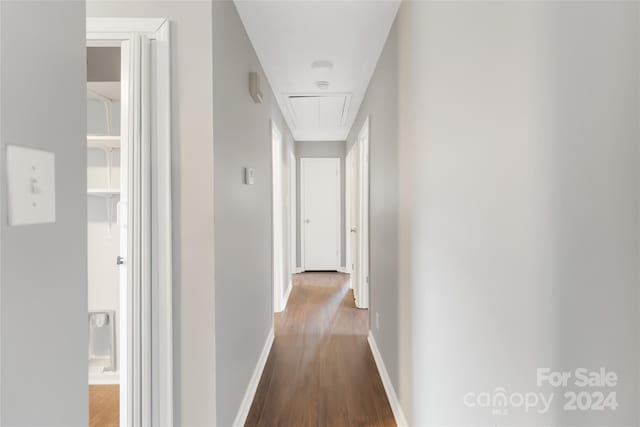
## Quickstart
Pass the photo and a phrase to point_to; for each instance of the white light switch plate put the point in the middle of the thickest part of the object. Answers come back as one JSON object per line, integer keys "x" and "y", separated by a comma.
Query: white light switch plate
{"x": 31, "y": 186}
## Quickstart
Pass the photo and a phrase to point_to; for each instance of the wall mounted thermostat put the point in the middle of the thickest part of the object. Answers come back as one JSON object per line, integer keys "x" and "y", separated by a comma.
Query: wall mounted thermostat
{"x": 31, "y": 186}
{"x": 249, "y": 177}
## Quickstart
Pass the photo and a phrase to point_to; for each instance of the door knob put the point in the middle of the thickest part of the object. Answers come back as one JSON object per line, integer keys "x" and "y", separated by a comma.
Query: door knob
{"x": 307, "y": 221}
{"x": 353, "y": 230}
{"x": 120, "y": 260}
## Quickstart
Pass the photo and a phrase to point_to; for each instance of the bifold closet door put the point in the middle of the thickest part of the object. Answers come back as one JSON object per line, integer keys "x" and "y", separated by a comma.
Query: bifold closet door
{"x": 135, "y": 250}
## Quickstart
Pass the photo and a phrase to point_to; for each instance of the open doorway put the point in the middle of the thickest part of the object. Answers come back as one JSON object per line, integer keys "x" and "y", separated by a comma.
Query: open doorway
{"x": 283, "y": 217}
{"x": 106, "y": 233}
{"x": 278, "y": 202}
{"x": 357, "y": 216}
{"x": 129, "y": 229}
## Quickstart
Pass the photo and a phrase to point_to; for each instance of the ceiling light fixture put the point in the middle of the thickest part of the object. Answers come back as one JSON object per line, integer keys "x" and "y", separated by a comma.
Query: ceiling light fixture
{"x": 322, "y": 84}
{"x": 322, "y": 65}
{"x": 321, "y": 72}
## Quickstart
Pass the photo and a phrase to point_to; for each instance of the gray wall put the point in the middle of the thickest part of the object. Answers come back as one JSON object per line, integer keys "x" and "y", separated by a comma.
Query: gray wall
{"x": 381, "y": 106}
{"x": 320, "y": 149}
{"x": 192, "y": 169}
{"x": 519, "y": 204}
{"x": 43, "y": 268}
{"x": 103, "y": 64}
{"x": 243, "y": 215}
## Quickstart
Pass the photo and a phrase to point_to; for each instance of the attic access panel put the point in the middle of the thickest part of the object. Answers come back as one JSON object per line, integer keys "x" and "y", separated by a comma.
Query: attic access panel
{"x": 319, "y": 111}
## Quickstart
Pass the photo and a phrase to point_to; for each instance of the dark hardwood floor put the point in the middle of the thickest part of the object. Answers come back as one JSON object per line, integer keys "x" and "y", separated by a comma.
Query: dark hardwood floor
{"x": 320, "y": 371}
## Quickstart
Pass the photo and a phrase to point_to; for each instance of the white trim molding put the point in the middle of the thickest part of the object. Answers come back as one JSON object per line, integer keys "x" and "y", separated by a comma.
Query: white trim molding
{"x": 104, "y": 378}
{"x": 249, "y": 394}
{"x": 343, "y": 270}
{"x": 124, "y": 26}
{"x": 362, "y": 296}
{"x": 398, "y": 413}
{"x": 287, "y": 294}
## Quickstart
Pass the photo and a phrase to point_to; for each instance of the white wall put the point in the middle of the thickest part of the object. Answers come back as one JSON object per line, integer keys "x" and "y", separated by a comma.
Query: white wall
{"x": 320, "y": 149}
{"x": 103, "y": 233}
{"x": 519, "y": 172}
{"x": 243, "y": 213}
{"x": 192, "y": 170}
{"x": 103, "y": 249}
{"x": 43, "y": 268}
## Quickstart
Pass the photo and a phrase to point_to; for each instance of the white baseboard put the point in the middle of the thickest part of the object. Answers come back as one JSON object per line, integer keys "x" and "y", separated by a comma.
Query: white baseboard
{"x": 398, "y": 414}
{"x": 298, "y": 270}
{"x": 250, "y": 393}
{"x": 343, "y": 270}
{"x": 286, "y": 296}
{"x": 104, "y": 378}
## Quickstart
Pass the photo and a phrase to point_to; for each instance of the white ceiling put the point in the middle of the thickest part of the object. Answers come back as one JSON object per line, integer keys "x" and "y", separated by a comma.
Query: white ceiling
{"x": 289, "y": 36}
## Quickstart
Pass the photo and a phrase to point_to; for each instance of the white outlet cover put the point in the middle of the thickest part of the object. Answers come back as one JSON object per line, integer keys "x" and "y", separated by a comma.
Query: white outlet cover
{"x": 31, "y": 185}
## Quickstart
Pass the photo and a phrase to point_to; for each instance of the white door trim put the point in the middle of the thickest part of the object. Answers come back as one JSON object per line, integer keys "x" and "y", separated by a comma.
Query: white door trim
{"x": 303, "y": 161}
{"x": 292, "y": 215}
{"x": 362, "y": 301}
{"x": 277, "y": 199}
{"x": 347, "y": 215}
{"x": 352, "y": 197}
{"x": 148, "y": 366}
{"x": 302, "y": 220}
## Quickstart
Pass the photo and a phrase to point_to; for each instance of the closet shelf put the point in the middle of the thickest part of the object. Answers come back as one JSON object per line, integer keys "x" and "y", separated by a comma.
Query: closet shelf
{"x": 106, "y": 192}
{"x": 103, "y": 141}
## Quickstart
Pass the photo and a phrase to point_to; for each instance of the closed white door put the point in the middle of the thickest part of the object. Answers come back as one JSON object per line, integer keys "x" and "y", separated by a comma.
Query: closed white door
{"x": 320, "y": 213}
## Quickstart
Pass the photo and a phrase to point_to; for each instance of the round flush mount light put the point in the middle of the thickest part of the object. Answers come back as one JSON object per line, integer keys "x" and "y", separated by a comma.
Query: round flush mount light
{"x": 322, "y": 84}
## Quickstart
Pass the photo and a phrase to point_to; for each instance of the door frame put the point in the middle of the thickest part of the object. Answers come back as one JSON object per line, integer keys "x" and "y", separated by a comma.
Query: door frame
{"x": 303, "y": 161}
{"x": 363, "y": 232}
{"x": 278, "y": 223}
{"x": 361, "y": 283}
{"x": 348, "y": 261}
{"x": 293, "y": 223}
{"x": 147, "y": 370}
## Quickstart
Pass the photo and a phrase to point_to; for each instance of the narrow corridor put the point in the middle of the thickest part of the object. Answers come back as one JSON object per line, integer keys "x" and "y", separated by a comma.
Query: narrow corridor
{"x": 320, "y": 370}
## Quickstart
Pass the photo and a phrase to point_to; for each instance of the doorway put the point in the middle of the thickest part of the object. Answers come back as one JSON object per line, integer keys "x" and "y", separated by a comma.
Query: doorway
{"x": 320, "y": 213}
{"x": 278, "y": 202}
{"x": 129, "y": 179}
{"x": 357, "y": 226}
{"x": 106, "y": 233}
{"x": 293, "y": 213}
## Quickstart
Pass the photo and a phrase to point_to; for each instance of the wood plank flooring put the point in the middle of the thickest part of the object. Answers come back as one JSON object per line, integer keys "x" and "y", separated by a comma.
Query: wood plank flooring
{"x": 104, "y": 405}
{"x": 320, "y": 371}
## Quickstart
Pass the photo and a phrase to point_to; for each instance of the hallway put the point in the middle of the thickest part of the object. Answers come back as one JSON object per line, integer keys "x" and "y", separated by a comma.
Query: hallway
{"x": 320, "y": 370}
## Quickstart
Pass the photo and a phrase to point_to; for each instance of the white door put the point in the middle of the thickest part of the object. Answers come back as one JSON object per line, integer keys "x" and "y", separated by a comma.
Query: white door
{"x": 320, "y": 179}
